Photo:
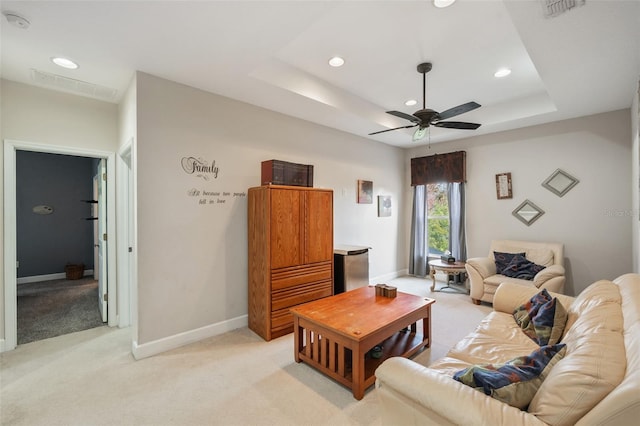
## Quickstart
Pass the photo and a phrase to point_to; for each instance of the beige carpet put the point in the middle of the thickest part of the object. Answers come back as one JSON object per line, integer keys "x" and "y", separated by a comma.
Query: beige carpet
{"x": 90, "y": 378}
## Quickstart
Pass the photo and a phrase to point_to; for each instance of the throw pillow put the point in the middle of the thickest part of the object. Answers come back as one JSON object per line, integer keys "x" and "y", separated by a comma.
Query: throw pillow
{"x": 542, "y": 318}
{"x": 520, "y": 267}
{"x": 516, "y": 381}
{"x": 503, "y": 259}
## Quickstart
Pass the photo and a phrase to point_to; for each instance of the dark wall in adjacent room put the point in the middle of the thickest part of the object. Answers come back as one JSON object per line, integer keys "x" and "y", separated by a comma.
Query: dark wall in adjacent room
{"x": 47, "y": 242}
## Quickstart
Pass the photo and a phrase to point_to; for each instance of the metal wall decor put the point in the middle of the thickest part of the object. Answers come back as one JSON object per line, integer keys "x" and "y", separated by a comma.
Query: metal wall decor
{"x": 560, "y": 182}
{"x": 527, "y": 212}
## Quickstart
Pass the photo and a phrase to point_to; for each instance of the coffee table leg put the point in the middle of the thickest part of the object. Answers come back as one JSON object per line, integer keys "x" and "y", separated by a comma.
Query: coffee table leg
{"x": 426, "y": 327}
{"x": 357, "y": 373}
{"x": 297, "y": 339}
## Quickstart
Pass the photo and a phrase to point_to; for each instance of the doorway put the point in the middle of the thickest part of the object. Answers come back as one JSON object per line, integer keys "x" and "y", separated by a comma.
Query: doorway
{"x": 10, "y": 227}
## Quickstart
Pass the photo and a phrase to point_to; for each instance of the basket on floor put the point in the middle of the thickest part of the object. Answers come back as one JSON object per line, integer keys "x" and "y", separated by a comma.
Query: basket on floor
{"x": 74, "y": 272}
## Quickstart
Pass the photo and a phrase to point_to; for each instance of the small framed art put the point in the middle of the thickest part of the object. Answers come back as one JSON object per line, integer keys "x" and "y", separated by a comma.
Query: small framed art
{"x": 503, "y": 186}
{"x": 384, "y": 205}
{"x": 365, "y": 192}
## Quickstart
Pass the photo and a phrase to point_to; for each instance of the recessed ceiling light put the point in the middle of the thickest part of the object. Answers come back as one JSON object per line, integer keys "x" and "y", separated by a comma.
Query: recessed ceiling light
{"x": 64, "y": 63}
{"x": 443, "y": 3}
{"x": 411, "y": 102}
{"x": 502, "y": 72}
{"x": 336, "y": 61}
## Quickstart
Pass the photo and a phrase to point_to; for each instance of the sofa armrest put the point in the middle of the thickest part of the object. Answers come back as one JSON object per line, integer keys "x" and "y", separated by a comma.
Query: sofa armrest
{"x": 548, "y": 273}
{"x": 510, "y": 295}
{"x": 485, "y": 266}
{"x": 420, "y": 395}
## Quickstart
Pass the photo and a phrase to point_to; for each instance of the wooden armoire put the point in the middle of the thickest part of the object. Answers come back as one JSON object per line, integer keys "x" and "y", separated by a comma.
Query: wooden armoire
{"x": 290, "y": 253}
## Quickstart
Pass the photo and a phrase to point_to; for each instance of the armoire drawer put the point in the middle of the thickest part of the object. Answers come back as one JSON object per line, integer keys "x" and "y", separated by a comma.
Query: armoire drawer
{"x": 292, "y": 296}
{"x": 296, "y": 275}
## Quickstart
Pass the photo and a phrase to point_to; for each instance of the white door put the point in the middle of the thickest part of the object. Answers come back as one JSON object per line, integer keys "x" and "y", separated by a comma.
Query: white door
{"x": 102, "y": 239}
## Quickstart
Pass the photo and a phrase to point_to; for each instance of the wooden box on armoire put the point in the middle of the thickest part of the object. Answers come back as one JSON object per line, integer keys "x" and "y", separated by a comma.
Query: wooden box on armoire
{"x": 276, "y": 172}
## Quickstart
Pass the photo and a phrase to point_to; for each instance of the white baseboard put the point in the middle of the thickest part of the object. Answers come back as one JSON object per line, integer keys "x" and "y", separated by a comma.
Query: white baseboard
{"x": 389, "y": 276}
{"x": 48, "y": 277}
{"x": 172, "y": 342}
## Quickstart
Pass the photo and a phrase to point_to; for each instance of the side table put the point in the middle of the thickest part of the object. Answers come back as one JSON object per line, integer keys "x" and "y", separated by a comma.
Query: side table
{"x": 455, "y": 268}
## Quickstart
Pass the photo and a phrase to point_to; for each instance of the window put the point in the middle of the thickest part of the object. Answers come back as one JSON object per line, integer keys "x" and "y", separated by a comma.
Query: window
{"x": 438, "y": 218}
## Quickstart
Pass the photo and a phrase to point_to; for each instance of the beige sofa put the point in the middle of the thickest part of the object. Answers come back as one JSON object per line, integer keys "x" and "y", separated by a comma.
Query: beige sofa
{"x": 483, "y": 279}
{"x": 596, "y": 383}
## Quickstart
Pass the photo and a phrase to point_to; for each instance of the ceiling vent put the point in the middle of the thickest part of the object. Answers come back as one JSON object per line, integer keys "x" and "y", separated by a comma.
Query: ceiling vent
{"x": 79, "y": 87}
{"x": 556, "y": 7}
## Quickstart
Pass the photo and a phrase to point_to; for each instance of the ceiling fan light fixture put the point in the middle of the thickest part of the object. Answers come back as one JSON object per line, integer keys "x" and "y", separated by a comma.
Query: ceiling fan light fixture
{"x": 419, "y": 134}
{"x": 443, "y": 3}
{"x": 64, "y": 63}
{"x": 336, "y": 61}
{"x": 502, "y": 72}
{"x": 411, "y": 102}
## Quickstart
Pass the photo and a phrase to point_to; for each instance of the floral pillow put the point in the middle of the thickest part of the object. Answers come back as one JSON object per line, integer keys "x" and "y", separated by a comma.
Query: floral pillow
{"x": 542, "y": 318}
{"x": 516, "y": 381}
{"x": 503, "y": 259}
{"x": 520, "y": 267}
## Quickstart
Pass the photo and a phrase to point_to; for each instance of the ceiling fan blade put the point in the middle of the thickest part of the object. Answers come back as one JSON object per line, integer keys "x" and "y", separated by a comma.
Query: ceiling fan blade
{"x": 411, "y": 118}
{"x": 457, "y": 125}
{"x": 460, "y": 109}
{"x": 395, "y": 128}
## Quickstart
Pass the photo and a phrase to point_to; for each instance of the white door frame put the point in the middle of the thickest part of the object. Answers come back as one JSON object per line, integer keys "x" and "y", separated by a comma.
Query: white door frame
{"x": 10, "y": 233}
{"x": 127, "y": 243}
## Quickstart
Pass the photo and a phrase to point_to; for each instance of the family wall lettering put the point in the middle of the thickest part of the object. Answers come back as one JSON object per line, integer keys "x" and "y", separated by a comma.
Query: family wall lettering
{"x": 208, "y": 171}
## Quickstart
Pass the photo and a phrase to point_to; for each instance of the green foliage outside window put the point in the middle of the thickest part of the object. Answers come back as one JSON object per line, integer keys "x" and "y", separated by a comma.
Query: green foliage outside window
{"x": 438, "y": 218}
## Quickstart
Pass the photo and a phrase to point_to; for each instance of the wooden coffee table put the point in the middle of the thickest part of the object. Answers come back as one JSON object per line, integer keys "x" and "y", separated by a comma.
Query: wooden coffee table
{"x": 335, "y": 334}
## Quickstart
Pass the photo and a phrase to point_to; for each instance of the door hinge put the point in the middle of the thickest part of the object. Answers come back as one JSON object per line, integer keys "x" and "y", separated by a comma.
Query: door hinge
{"x": 104, "y": 177}
{"x": 105, "y": 297}
{"x": 130, "y": 249}
{"x": 104, "y": 236}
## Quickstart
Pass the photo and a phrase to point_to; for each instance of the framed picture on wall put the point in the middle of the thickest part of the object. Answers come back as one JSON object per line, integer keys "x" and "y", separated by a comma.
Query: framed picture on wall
{"x": 503, "y": 186}
{"x": 384, "y": 205}
{"x": 365, "y": 192}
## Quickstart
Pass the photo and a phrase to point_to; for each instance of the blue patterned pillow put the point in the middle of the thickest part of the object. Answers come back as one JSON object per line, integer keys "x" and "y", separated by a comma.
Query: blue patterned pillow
{"x": 542, "y": 318}
{"x": 503, "y": 259}
{"x": 520, "y": 267}
{"x": 516, "y": 381}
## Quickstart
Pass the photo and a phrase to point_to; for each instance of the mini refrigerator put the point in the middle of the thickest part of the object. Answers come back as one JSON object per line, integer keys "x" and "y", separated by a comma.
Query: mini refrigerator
{"x": 351, "y": 268}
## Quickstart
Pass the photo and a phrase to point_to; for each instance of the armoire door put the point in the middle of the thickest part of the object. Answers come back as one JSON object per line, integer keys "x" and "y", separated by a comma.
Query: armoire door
{"x": 318, "y": 226}
{"x": 287, "y": 232}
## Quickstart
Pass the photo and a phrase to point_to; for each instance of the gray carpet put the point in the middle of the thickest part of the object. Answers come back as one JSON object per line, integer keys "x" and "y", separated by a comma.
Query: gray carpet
{"x": 53, "y": 308}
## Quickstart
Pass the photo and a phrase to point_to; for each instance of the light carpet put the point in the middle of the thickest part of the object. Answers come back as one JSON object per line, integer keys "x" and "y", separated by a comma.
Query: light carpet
{"x": 91, "y": 378}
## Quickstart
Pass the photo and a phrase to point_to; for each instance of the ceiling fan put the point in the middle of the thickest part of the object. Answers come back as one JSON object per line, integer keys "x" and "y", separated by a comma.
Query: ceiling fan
{"x": 427, "y": 117}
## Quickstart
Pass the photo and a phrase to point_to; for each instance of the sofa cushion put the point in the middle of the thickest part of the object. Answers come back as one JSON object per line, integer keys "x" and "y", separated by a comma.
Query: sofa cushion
{"x": 503, "y": 259}
{"x": 516, "y": 381}
{"x": 542, "y": 318}
{"x": 595, "y": 362}
{"x": 520, "y": 267}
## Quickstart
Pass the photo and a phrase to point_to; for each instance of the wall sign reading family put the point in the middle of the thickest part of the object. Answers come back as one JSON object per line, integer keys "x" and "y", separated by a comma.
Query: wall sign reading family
{"x": 214, "y": 197}
{"x": 200, "y": 168}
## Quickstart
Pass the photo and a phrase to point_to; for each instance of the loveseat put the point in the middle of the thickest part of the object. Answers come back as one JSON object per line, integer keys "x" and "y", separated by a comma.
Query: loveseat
{"x": 484, "y": 278}
{"x": 597, "y": 382}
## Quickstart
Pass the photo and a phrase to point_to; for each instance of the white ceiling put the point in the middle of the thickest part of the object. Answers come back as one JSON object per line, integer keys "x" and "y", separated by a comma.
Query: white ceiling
{"x": 274, "y": 54}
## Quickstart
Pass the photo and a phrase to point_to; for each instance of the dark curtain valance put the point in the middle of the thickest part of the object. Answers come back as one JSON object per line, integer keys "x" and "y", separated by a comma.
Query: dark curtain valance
{"x": 437, "y": 168}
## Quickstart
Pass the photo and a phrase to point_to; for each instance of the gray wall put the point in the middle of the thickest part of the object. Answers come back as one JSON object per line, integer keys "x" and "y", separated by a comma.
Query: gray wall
{"x": 46, "y": 243}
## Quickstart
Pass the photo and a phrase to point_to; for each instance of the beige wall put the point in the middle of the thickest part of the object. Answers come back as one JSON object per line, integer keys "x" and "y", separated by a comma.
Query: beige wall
{"x": 192, "y": 257}
{"x": 593, "y": 220}
{"x": 34, "y": 115}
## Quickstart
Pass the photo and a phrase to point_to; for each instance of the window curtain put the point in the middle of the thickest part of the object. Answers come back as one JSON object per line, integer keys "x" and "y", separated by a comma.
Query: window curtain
{"x": 419, "y": 250}
{"x": 457, "y": 234}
